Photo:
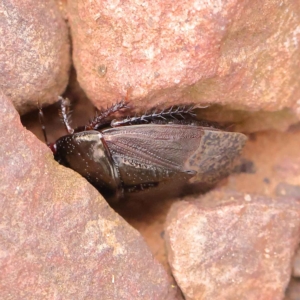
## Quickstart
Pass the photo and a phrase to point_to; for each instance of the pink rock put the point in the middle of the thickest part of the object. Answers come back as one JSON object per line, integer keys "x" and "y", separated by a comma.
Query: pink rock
{"x": 59, "y": 239}
{"x": 34, "y": 53}
{"x": 233, "y": 246}
{"x": 241, "y": 53}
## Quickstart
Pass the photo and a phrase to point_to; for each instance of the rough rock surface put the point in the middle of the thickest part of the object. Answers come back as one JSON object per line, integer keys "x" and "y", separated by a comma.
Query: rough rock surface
{"x": 241, "y": 53}
{"x": 271, "y": 167}
{"x": 233, "y": 246}
{"x": 34, "y": 52}
{"x": 276, "y": 163}
{"x": 58, "y": 237}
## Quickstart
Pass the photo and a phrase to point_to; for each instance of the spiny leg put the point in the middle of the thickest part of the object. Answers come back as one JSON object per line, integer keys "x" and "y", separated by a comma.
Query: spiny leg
{"x": 101, "y": 119}
{"x": 65, "y": 113}
{"x": 164, "y": 116}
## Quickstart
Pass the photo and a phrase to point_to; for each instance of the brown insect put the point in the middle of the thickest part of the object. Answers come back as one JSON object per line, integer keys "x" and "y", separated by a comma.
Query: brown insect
{"x": 157, "y": 151}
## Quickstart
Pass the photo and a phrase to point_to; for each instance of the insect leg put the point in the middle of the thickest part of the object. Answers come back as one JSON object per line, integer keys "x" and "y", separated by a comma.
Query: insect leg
{"x": 65, "y": 113}
{"x": 41, "y": 119}
{"x": 162, "y": 117}
{"x": 101, "y": 118}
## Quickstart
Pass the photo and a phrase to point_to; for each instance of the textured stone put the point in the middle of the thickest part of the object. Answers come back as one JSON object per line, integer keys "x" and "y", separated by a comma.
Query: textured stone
{"x": 241, "y": 53}
{"x": 58, "y": 237}
{"x": 34, "y": 52}
{"x": 276, "y": 159}
{"x": 271, "y": 158}
{"x": 233, "y": 246}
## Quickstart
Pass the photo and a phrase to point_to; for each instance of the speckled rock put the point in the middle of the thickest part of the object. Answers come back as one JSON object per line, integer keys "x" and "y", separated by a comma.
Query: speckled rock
{"x": 59, "y": 239}
{"x": 233, "y": 246}
{"x": 241, "y": 53}
{"x": 34, "y": 52}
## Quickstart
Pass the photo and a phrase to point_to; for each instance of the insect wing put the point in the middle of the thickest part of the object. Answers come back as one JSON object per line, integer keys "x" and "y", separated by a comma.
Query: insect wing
{"x": 152, "y": 153}
{"x": 216, "y": 155}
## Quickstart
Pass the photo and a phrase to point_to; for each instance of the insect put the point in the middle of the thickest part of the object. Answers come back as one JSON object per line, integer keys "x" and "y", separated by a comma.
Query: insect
{"x": 148, "y": 152}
